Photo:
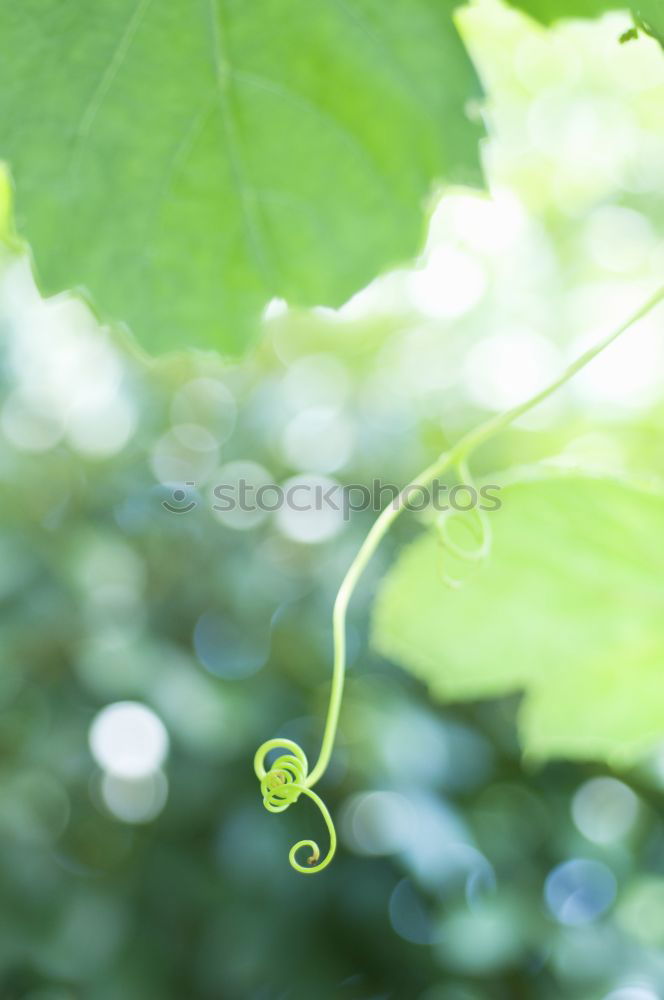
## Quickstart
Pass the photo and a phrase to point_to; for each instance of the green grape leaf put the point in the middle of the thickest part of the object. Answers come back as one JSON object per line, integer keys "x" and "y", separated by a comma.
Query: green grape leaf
{"x": 549, "y": 11}
{"x": 185, "y": 162}
{"x": 649, "y": 15}
{"x": 568, "y": 609}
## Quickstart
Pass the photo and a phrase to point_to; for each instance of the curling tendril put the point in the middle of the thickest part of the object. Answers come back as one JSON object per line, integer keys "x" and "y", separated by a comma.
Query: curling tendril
{"x": 477, "y": 524}
{"x": 288, "y": 778}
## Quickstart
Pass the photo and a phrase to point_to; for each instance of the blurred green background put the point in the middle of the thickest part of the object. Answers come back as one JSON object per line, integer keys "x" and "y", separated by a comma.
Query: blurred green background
{"x": 136, "y": 859}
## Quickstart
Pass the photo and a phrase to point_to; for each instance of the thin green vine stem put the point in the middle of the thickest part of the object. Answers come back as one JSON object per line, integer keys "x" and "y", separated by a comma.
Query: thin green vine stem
{"x": 467, "y": 444}
{"x": 455, "y": 457}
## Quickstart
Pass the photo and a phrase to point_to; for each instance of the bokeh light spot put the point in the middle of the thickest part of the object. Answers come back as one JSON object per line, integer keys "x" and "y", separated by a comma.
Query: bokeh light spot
{"x": 579, "y": 891}
{"x": 604, "y": 809}
{"x": 135, "y": 800}
{"x": 377, "y": 822}
{"x": 226, "y": 651}
{"x": 313, "y": 509}
{"x": 128, "y": 740}
{"x": 450, "y": 283}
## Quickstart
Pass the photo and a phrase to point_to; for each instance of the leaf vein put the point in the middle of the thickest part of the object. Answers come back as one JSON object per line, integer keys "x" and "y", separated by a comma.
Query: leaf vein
{"x": 246, "y": 192}
{"x": 110, "y": 74}
{"x": 288, "y": 93}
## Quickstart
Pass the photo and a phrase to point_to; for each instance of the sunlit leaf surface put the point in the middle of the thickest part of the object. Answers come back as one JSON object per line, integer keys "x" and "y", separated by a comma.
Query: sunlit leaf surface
{"x": 187, "y": 162}
{"x": 568, "y": 608}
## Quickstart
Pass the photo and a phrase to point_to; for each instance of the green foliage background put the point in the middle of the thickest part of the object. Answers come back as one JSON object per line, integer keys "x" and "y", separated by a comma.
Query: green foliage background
{"x": 448, "y": 883}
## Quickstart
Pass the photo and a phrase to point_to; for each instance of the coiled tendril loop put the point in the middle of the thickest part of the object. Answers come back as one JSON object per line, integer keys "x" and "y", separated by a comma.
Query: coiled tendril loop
{"x": 477, "y": 524}
{"x": 281, "y": 785}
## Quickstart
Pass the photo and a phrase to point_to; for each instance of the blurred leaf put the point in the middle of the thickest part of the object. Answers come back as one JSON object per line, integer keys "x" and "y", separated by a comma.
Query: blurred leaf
{"x": 548, "y": 11}
{"x": 188, "y": 162}
{"x": 569, "y": 607}
{"x": 650, "y": 16}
